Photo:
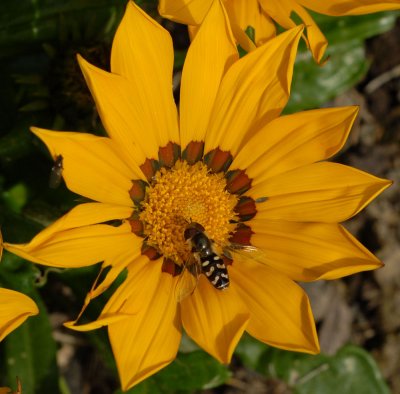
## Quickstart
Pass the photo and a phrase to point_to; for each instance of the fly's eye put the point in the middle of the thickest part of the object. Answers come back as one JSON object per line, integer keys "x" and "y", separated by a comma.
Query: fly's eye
{"x": 189, "y": 233}
{"x": 199, "y": 227}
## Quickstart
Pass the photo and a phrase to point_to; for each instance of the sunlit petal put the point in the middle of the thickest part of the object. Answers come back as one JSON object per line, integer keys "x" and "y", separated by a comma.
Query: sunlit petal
{"x": 283, "y": 11}
{"x": 248, "y": 13}
{"x": 115, "y": 265}
{"x": 147, "y": 342}
{"x": 189, "y": 12}
{"x": 320, "y": 192}
{"x": 91, "y": 165}
{"x": 15, "y": 308}
{"x": 280, "y": 311}
{"x": 136, "y": 56}
{"x": 255, "y": 88}
{"x": 123, "y": 113}
{"x": 214, "y": 319}
{"x": 295, "y": 140}
{"x": 350, "y": 7}
{"x": 206, "y": 62}
{"x": 310, "y": 251}
{"x": 75, "y": 241}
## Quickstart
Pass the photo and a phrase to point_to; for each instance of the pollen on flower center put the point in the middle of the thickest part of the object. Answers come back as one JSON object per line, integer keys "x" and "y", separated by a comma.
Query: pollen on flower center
{"x": 181, "y": 195}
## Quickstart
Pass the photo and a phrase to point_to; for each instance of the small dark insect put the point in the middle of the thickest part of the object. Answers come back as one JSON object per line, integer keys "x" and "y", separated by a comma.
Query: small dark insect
{"x": 56, "y": 172}
{"x": 203, "y": 260}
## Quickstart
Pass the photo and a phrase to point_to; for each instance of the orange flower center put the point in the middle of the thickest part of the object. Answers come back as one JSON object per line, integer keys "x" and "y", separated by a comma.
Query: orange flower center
{"x": 181, "y": 195}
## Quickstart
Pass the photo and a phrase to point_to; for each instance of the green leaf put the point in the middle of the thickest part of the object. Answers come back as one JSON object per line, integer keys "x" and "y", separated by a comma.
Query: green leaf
{"x": 29, "y": 352}
{"x": 352, "y": 369}
{"x": 314, "y": 85}
{"x": 16, "y": 197}
{"x": 189, "y": 372}
{"x": 17, "y": 273}
{"x": 250, "y": 351}
{"x": 361, "y": 27}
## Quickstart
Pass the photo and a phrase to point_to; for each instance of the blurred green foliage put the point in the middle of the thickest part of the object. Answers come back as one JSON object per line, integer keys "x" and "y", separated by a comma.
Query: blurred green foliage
{"x": 314, "y": 85}
{"x": 351, "y": 369}
{"x": 40, "y": 84}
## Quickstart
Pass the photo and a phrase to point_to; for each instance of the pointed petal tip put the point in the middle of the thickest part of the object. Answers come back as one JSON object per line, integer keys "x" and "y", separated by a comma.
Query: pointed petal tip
{"x": 86, "y": 66}
{"x": 39, "y": 132}
{"x": 82, "y": 61}
{"x": 102, "y": 321}
{"x": 127, "y": 383}
{"x": 314, "y": 349}
{"x": 36, "y": 130}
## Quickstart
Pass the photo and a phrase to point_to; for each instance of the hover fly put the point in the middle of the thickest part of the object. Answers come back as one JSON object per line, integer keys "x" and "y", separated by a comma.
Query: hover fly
{"x": 56, "y": 172}
{"x": 205, "y": 259}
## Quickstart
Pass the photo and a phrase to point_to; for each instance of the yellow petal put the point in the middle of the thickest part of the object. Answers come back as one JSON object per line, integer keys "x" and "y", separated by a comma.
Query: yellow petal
{"x": 280, "y": 311}
{"x": 214, "y": 319}
{"x": 282, "y": 12}
{"x": 15, "y": 308}
{"x": 142, "y": 52}
{"x": 295, "y": 140}
{"x": 91, "y": 165}
{"x": 117, "y": 263}
{"x": 206, "y": 62}
{"x": 80, "y": 216}
{"x": 102, "y": 321}
{"x": 256, "y": 87}
{"x": 135, "y": 287}
{"x": 248, "y": 13}
{"x": 189, "y": 12}
{"x": 310, "y": 251}
{"x": 74, "y": 241}
{"x": 319, "y": 192}
{"x": 149, "y": 341}
{"x": 124, "y": 115}
{"x": 350, "y": 7}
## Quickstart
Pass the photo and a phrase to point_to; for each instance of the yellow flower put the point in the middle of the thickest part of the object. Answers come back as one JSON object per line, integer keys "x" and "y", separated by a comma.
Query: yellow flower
{"x": 15, "y": 307}
{"x": 261, "y": 15}
{"x": 230, "y": 164}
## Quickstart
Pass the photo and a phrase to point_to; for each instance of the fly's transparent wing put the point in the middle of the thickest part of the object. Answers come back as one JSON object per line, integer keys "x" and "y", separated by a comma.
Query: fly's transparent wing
{"x": 251, "y": 252}
{"x": 188, "y": 279}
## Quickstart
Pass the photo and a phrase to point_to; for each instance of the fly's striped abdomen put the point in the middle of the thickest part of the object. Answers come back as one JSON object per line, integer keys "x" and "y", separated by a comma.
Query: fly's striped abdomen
{"x": 214, "y": 269}
{"x": 202, "y": 247}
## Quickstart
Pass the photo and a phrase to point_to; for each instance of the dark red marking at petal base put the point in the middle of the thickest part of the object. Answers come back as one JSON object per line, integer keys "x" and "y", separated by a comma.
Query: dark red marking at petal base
{"x": 137, "y": 226}
{"x": 170, "y": 267}
{"x": 242, "y": 235}
{"x": 149, "y": 168}
{"x": 138, "y": 191}
{"x": 193, "y": 152}
{"x": 151, "y": 252}
{"x": 218, "y": 160}
{"x": 237, "y": 182}
{"x": 169, "y": 154}
{"x": 246, "y": 208}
